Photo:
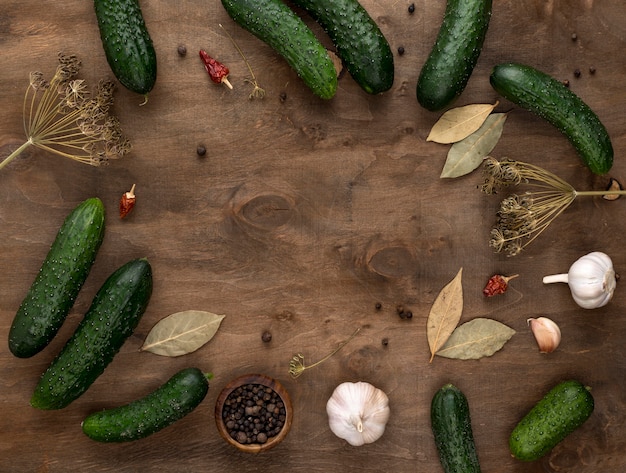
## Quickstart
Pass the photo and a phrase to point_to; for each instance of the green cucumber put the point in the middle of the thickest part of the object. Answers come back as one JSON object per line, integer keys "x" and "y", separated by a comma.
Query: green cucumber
{"x": 111, "y": 319}
{"x": 127, "y": 44}
{"x": 455, "y": 53}
{"x": 62, "y": 274}
{"x": 550, "y": 99}
{"x": 172, "y": 401}
{"x": 277, "y": 25}
{"x": 358, "y": 39}
{"x": 561, "y": 411}
{"x": 452, "y": 429}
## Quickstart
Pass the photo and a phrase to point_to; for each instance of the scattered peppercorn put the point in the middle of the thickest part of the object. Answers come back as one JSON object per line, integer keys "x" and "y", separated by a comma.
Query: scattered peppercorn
{"x": 497, "y": 284}
{"x": 267, "y": 336}
{"x": 404, "y": 314}
{"x": 401, "y": 50}
{"x": 378, "y": 306}
{"x": 385, "y": 342}
{"x": 412, "y": 8}
{"x": 201, "y": 150}
{"x": 182, "y": 50}
{"x": 574, "y": 36}
{"x": 253, "y": 414}
{"x": 408, "y": 314}
{"x": 283, "y": 97}
{"x": 592, "y": 70}
{"x": 577, "y": 73}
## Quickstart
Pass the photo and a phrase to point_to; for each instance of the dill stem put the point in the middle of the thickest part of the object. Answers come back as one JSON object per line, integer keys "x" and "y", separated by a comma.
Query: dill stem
{"x": 15, "y": 153}
{"x": 593, "y": 193}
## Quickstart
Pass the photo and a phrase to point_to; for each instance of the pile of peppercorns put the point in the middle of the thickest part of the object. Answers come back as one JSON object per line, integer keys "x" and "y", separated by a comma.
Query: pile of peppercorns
{"x": 253, "y": 413}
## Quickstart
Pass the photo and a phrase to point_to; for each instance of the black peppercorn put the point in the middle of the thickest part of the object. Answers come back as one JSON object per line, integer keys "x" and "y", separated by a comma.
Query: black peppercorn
{"x": 378, "y": 306}
{"x": 201, "y": 150}
{"x": 267, "y": 336}
{"x": 182, "y": 50}
{"x": 401, "y": 50}
{"x": 412, "y": 8}
{"x": 592, "y": 70}
{"x": 577, "y": 73}
{"x": 385, "y": 342}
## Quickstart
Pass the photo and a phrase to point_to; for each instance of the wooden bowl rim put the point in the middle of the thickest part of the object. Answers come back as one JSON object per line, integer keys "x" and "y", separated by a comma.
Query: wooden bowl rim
{"x": 264, "y": 380}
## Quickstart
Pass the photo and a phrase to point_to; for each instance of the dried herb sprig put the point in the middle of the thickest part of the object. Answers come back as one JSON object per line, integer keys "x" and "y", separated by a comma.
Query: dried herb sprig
{"x": 522, "y": 217}
{"x": 258, "y": 92}
{"x": 64, "y": 118}
{"x": 297, "y": 367}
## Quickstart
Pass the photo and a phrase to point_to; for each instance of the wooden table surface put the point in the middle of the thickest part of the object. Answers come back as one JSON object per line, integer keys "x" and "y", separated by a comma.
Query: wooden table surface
{"x": 302, "y": 215}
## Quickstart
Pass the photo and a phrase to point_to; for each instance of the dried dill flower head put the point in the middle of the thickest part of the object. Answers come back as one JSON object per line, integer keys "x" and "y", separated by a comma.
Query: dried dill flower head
{"x": 63, "y": 117}
{"x": 522, "y": 217}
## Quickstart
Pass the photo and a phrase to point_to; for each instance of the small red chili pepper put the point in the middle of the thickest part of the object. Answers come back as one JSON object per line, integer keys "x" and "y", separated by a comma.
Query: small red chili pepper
{"x": 497, "y": 284}
{"x": 216, "y": 70}
{"x": 127, "y": 202}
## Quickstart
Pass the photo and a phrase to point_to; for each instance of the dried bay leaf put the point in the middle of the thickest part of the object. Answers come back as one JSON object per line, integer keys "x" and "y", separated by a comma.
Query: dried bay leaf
{"x": 466, "y": 155}
{"x": 445, "y": 314}
{"x": 182, "y": 332}
{"x": 476, "y": 339}
{"x": 458, "y": 123}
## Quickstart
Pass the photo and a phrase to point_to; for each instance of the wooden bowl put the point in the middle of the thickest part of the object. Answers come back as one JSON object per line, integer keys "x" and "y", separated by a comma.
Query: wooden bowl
{"x": 266, "y": 382}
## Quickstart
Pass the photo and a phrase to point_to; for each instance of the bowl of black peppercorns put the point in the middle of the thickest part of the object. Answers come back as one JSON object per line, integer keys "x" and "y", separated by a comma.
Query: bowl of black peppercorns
{"x": 253, "y": 413}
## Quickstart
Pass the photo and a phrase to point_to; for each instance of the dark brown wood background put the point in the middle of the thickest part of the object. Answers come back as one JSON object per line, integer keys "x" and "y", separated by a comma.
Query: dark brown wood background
{"x": 300, "y": 218}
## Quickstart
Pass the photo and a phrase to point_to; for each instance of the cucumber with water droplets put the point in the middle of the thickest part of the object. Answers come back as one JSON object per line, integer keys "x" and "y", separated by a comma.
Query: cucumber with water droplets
{"x": 61, "y": 276}
{"x": 360, "y": 44}
{"x": 127, "y": 44}
{"x": 172, "y": 401}
{"x": 455, "y": 53}
{"x": 550, "y": 99}
{"x": 274, "y": 23}
{"x": 561, "y": 411}
{"x": 112, "y": 317}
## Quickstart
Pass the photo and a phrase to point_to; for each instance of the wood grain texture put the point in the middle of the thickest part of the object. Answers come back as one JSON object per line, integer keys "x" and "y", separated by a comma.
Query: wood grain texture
{"x": 300, "y": 218}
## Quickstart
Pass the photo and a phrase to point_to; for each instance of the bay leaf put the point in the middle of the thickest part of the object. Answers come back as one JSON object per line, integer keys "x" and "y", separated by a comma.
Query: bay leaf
{"x": 476, "y": 339}
{"x": 467, "y": 154}
{"x": 445, "y": 314}
{"x": 182, "y": 332}
{"x": 460, "y": 122}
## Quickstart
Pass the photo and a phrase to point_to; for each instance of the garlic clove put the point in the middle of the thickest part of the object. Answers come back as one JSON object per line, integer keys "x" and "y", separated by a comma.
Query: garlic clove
{"x": 547, "y": 333}
{"x": 358, "y": 412}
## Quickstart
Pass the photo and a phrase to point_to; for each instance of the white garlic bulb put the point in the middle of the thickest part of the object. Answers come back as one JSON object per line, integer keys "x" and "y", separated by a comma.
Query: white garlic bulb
{"x": 591, "y": 280}
{"x": 358, "y": 412}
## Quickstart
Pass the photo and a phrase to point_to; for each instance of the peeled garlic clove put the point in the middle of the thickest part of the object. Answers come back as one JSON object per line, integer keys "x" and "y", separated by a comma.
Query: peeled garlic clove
{"x": 358, "y": 412}
{"x": 547, "y": 334}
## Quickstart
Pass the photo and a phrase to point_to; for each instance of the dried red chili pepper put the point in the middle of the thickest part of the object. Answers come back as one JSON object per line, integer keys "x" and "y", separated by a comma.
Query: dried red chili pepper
{"x": 127, "y": 202}
{"x": 497, "y": 284}
{"x": 216, "y": 70}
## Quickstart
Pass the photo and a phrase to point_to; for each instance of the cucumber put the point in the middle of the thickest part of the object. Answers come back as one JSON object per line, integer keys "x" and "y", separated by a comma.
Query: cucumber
{"x": 114, "y": 313}
{"x": 358, "y": 39}
{"x": 455, "y": 53}
{"x": 277, "y": 25}
{"x": 452, "y": 429}
{"x": 127, "y": 44}
{"x": 180, "y": 395}
{"x": 561, "y": 411}
{"x": 63, "y": 272}
{"x": 548, "y": 98}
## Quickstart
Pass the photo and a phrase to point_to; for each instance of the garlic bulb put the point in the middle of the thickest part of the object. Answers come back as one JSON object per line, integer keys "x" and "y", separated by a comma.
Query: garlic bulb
{"x": 591, "y": 280}
{"x": 358, "y": 412}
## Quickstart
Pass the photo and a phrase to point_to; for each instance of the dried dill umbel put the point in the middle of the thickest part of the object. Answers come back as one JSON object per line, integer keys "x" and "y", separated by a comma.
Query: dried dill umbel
{"x": 523, "y": 216}
{"x": 63, "y": 117}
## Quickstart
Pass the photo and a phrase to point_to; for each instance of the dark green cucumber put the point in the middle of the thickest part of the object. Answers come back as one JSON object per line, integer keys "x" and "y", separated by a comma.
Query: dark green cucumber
{"x": 452, "y": 429}
{"x": 561, "y": 411}
{"x": 62, "y": 274}
{"x": 180, "y": 395}
{"x": 111, "y": 319}
{"x": 358, "y": 39}
{"x": 457, "y": 48}
{"x": 277, "y": 25}
{"x": 127, "y": 44}
{"x": 550, "y": 99}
